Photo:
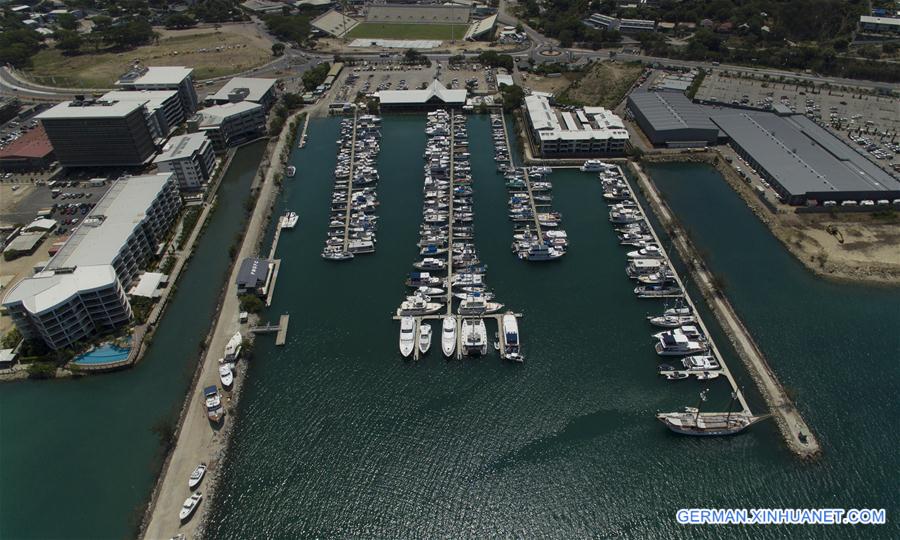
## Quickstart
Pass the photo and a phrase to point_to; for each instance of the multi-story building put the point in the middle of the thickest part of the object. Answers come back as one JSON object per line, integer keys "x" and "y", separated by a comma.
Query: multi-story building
{"x": 163, "y": 78}
{"x": 625, "y": 26}
{"x": 87, "y": 133}
{"x": 261, "y": 91}
{"x": 587, "y": 132}
{"x": 81, "y": 290}
{"x": 163, "y": 108}
{"x": 190, "y": 158}
{"x": 229, "y": 124}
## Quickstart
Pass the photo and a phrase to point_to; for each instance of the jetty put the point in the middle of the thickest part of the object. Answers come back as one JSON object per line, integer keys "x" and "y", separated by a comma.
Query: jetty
{"x": 349, "y": 211}
{"x": 281, "y": 328}
{"x": 796, "y": 432}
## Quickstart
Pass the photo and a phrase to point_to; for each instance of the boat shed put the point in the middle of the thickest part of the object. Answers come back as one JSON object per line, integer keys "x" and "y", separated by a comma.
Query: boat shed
{"x": 436, "y": 96}
{"x": 254, "y": 275}
{"x": 670, "y": 119}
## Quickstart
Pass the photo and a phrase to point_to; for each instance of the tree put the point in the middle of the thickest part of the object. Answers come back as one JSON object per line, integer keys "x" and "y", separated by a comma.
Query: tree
{"x": 68, "y": 41}
{"x": 251, "y": 303}
{"x": 513, "y": 97}
{"x": 315, "y": 76}
{"x": 131, "y": 34}
{"x": 889, "y": 47}
{"x": 291, "y": 100}
{"x": 102, "y": 23}
{"x": 277, "y": 48}
{"x": 67, "y": 21}
{"x": 180, "y": 20}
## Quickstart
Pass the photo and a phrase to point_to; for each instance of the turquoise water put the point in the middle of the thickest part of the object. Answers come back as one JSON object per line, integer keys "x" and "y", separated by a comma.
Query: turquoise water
{"x": 78, "y": 458}
{"x": 105, "y": 354}
{"x": 337, "y": 436}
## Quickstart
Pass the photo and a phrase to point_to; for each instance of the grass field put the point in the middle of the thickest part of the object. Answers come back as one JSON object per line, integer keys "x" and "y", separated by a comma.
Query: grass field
{"x": 211, "y": 54}
{"x": 605, "y": 85}
{"x": 443, "y": 32}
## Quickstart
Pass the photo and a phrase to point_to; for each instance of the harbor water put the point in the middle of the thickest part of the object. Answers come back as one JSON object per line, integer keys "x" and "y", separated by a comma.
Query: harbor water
{"x": 338, "y": 436}
{"x": 78, "y": 458}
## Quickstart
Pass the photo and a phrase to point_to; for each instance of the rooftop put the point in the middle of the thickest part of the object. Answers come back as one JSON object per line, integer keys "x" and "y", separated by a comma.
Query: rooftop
{"x": 478, "y": 28}
{"x": 216, "y": 114}
{"x": 584, "y": 124}
{"x": 412, "y": 97}
{"x": 334, "y": 23}
{"x": 255, "y": 88}
{"x": 801, "y": 155}
{"x": 670, "y": 110}
{"x": 156, "y": 75}
{"x": 152, "y": 99}
{"x": 33, "y": 144}
{"x": 90, "y": 109}
{"x": 47, "y": 289}
{"x": 181, "y": 146}
{"x": 102, "y": 233}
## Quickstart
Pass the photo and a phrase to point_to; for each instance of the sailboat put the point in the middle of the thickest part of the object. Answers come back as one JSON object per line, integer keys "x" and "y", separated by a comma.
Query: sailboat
{"x": 696, "y": 423}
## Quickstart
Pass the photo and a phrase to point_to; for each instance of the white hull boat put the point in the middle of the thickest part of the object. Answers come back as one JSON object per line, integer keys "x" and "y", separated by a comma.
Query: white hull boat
{"x": 407, "y": 336}
{"x": 448, "y": 336}
{"x": 424, "y": 338}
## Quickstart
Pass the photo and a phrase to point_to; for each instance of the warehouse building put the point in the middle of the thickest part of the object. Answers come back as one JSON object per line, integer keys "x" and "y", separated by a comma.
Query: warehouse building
{"x": 586, "y": 132}
{"x": 230, "y": 124}
{"x": 162, "y": 108}
{"x": 670, "y": 119}
{"x": 30, "y": 152}
{"x": 436, "y": 96}
{"x": 176, "y": 78}
{"x": 261, "y": 91}
{"x": 81, "y": 290}
{"x": 190, "y": 158}
{"x": 87, "y": 133}
{"x": 801, "y": 160}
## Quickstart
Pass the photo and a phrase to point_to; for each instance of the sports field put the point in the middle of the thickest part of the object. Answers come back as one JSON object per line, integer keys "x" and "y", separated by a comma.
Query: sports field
{"x": 443, "y": 32}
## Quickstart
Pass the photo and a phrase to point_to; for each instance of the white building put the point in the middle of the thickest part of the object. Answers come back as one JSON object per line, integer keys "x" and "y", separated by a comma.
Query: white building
{"x": 230, "y": 124}
{"x": 163, "y": 108}
{"x": 190, "y": 158}
{"x": 81, "y": 290}
{"x": 163, "y": 78}
{"x": 591, "y": 131}
{"x": 260, "y": 91}
{"x": 879, "y": 24}
{"x": 625, "y": 26}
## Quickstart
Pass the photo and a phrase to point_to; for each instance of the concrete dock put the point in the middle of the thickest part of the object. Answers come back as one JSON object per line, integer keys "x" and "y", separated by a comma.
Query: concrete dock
{"x": 350, "y": 183}
{"x": 282, "y": 329}
{"x": 271, "y": 292}
{"x": 796, "y": 432}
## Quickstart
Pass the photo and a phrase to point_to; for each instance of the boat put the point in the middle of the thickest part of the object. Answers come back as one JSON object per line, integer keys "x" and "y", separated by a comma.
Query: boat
{"x": 424, "y": 338}
{"x": 706, "y": 375}
{"x": 189, "y": 506}
{"x": 291, "y": 171}
{"x": 197, "y": 476}
{"x": 696, "y": 423}
{"x": 233, "y": 348}
{"x": 474, "y": 337}
{"x": 289, "y": 220}
{"x": 226, "y": 375}
{"x": 690, "y": 331}
{"x": 418, "y": 304}
{"x": 431, "y": 264}
{"x": 595, "y": 165}
{"x": 510, "y": 330}
{"x": 657, "y": 291}
{"x": 674, "y": 375}
{"x": 448, "y": 336}
{"x": 647, "y": 252}
{"x": 214, "y": 409}
{"x": 671, "y": 321}
{"x": 678, "y": 345}
{"x": 541, "y": 252}
{"x": 420, "y": 279}
{"x": 407, "y": 336}
{"x": 700, "y": 362}
{"x": 476, "y": 304}
{"x": 336, "y": 254}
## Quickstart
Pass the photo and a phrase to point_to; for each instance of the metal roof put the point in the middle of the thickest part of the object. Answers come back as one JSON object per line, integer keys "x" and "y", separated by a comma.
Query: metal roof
{"x": 90, "y": 109}
{"x": 215, "y": 115}
{"x": 334, "y": 23}
{"x": 478, "y": 28}
{"x": 435, "y": 89}
{"x": 152, "y": 99}
{"x": 182, "y": 146}
{"x": 801, "y": 155}
{"x": 670, "y": 110}
{"x": 155, "y": 76}
{"x": 256, "y": 88}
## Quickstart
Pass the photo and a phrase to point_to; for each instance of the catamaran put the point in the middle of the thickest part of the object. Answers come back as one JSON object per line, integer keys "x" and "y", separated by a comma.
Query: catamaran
{"x": 289, "y": 220}
{"x": 474, "y": 333}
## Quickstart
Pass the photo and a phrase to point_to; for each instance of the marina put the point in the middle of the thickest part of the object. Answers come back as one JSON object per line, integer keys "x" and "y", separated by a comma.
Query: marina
{"x": 661, "y": 280}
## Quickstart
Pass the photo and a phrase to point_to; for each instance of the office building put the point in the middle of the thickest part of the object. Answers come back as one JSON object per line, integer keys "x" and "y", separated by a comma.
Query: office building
{"x": 81, "y": 290}
{"x": 586, "y": 132}
{"x": 87, "y": 133}
{"x": 261, "y": 91}
{"x": 230, "y": 124}
{"x": 162, "y": 108}
{"x": 190, "y": 158}
{"x": 163, "y": 78}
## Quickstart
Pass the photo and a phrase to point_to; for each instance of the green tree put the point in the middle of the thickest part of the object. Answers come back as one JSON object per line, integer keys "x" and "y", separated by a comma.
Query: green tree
{"x": 180, "y": 20}
{"x": 68, "y": 41}
{"x": 513, "y": 97}
{"x": 67, "y": 21}
{"x": 277, "y": 48}
{"x": 315, "y": 76}
{"x": 251, "y": 303}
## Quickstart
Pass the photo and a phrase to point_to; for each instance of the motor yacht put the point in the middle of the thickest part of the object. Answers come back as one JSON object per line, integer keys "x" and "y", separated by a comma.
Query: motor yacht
{"x": 701, "y": 362}
{"x": 214, "y": 409}
{"x": 197, "y": 476}
{"x": 448, "y": 335}
{"x": 678, "y": 345}
{"x": 424, "y": 338}
{"x": 407, "y": 336}
{"x": 510, "y": 329}
{"x": 226, "y": 376}
{"x": 476, "y": 304}
{"x": 289, "y": 220}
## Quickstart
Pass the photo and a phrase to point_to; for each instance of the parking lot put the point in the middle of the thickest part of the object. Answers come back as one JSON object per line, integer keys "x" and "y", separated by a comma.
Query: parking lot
{"x": 869, "y": 123}
{"x": 373, "y": 77}
{"x": 68, "y": 205}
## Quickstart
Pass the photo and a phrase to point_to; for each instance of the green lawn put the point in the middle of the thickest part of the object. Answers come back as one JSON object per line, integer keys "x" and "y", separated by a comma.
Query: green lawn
{"x": 443, "y": 32}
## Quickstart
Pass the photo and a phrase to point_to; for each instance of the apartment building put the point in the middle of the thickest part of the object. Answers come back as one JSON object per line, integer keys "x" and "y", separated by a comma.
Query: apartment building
{"x": 176, "y": 78}
{"x": 230, "y": 124}
{"x": 585, "y": 132}
{"x": 190, "y": 158}
{"x": 162, "y": 108}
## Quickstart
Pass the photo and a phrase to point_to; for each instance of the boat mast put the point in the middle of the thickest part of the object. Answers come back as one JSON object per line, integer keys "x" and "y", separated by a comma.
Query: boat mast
{"x": 730, "y": 405}
{"x": 699, "y": 403}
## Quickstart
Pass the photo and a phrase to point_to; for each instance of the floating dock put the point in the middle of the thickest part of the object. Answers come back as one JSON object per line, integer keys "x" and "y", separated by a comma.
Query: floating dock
{"x": 796, "y": 432}
{"x": 282, "y": 329}
{"x": 271, "y": 293}
{"x": 349, "y": 211}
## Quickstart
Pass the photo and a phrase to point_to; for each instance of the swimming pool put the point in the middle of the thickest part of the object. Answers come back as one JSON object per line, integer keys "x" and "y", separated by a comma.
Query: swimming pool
{"x": 105, "y": 354}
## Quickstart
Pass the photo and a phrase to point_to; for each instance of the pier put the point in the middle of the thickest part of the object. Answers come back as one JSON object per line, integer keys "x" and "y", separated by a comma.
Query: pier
{"x": 796, "y": 432}
{"x": 350, "y": 183}
{"x": 534, "y": 212}
{"x": 281, "y": 328}
{"x": 687, "y": 298}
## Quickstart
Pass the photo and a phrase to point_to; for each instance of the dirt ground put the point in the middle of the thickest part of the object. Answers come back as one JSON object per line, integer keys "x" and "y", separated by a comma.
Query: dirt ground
{"x": 11, "y": 198}
{"x": 552, "y": 85}
{"x": 212, "y": 53}
{"x": 605, "y": 85}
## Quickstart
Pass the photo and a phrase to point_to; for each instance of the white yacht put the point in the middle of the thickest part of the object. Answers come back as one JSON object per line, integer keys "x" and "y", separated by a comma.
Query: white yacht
{"x": 671, "y": 321}
{"x": 233, "y": 348}
{"x": 595, "y": 165}
{"x": 476, "y": 304}
{"x": 678, "y": 345}
{"x": 424, "y": 338}
{"x": 289, "y": 220}
{"x": 700, "y": 362}
{"x": 189, "y": 506}
{"x": 291, "y": 171}
{"x": 214, "y": 409}
{"x": 448, "y": 336}
{"x": 432, "y": 264}
{"x": 646, "y": 252}
{"x": 541, "y": 252}
{"x": 226, "y": 375}
{"x": 407, "y": 336}
{"x": 510, "y": 330}
{"x": 197, "y": 476}
{"x": 417, "y": 304}
{"x": 474, "y": 334}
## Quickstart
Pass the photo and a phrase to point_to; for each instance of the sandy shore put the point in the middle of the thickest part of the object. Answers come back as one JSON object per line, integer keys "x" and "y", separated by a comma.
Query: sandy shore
{"x": 198, "y": 441}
